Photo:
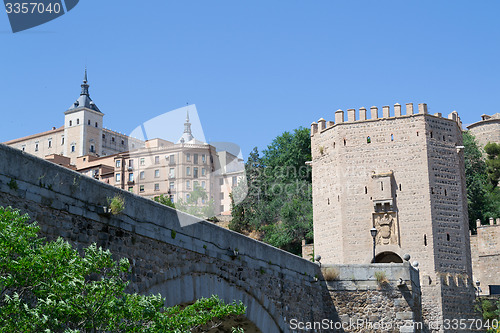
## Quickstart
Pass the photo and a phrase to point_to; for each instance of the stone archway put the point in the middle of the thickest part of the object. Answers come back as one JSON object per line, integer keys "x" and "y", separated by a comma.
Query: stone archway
{"x": 388, "y": 257}
{"x": 190, "y": 287}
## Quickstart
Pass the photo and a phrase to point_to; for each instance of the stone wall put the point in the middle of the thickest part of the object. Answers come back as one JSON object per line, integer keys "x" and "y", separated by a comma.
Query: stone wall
{"x": 485, "y": 247}
{"x": 182, "y": 263}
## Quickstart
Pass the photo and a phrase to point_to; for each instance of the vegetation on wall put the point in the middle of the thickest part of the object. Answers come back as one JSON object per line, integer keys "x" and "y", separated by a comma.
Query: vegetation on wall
{"x": 481, "y": 177}
{"x": 278, "y": 206}
{"x": 49, "y": 287}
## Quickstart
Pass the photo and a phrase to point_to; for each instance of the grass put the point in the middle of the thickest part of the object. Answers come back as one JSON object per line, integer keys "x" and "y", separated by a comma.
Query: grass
{"x": 381, "y": 278}
{"x": 330, "y": 274}
{"x": 116, "y": 204}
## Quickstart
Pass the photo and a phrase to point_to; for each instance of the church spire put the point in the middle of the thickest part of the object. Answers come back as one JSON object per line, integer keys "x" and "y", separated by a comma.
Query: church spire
{"x": 85, "y": 86}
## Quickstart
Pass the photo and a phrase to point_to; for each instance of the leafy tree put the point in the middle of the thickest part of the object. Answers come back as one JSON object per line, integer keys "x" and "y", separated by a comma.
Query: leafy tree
{"x": 197, "y": 204}
{"x": 164, "y": 200}
{"x": 49, "y": 287}
{"x": 279, "y": 200}
{"x": 476, "y": 180}
{"x": 493, "y": 162}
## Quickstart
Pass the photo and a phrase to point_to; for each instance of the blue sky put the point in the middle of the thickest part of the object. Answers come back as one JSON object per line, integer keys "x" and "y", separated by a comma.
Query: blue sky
{"x": 253, "y": 68}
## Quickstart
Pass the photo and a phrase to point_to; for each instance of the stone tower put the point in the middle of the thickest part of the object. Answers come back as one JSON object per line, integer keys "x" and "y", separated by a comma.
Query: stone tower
{"x": 402, "y": 174}
{"x": 83, "y": 123}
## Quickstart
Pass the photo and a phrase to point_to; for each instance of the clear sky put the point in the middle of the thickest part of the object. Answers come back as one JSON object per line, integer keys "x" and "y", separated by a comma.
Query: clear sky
{"x": 253, "y": 68}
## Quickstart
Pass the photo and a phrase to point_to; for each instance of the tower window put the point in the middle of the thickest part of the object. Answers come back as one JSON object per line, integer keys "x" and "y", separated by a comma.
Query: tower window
{"x": 78, "y": 121}
{"x": 50, "y": 143}
{"x": 36, "y": 146}
{"x": 444, "y": 138}
{"x": 92, "y": 149}
{"x": 96, "y": 124}
{"x": 392, "y": 137}
{"x": 432, "y": 135}
{"x": 104, "y": 136}
{"x": 123, "y": 142}
{"x": 400, "y": 187}
{"x": 334, "y": 145}
{"x": 73, "y": 148}
{"x": 417, "y": 133}
{"x": 366, "y": 190}
{"x": 448, "y": 237}
{"x": 344, "y": 142}
{"x": 425, "y": 240}
{"x": 62, "y": 140}
{"x": 445, "y": 193}
{"x": 381, "y": 186}
{"x": 368, "y": 140}
{"x": 71, "y": 123}
{"x": 89, "y": 122}
{"x": 112, "y": 139}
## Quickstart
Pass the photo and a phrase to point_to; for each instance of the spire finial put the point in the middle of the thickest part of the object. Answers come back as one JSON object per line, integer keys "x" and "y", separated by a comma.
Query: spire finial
{"x": 187, "y": 116}
{"x": 85, "y": 86}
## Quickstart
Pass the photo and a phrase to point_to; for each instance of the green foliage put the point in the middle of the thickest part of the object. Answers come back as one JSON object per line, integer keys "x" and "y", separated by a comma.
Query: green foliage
{"x": 493, "y": 162}
{"x": 12, "y": 184}
{"x": 197, "y": 204}
{"x": 490, "y": 310}
{"x": 116, "y": 204}
{"x": 164, "y": 200}
{"x": 49, "y": 287}
{"x": 279, "y": 199}
{"x": 173, "y": 233}
{"x": 483, "y": 198}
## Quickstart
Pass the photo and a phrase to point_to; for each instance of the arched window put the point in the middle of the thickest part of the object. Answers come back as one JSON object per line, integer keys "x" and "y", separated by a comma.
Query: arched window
{"x": 392, "y": 137}
{"x": 448, "y": 237}
{"x": 425, "y": 240}
{"x": 368, "y": 139}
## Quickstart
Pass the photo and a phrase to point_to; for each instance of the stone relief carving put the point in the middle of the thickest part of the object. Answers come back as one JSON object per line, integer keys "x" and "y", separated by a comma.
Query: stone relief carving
{"x": 386, "y": 228}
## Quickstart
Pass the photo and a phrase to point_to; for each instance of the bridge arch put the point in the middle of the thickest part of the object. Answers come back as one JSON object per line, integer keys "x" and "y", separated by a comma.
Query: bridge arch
{"x": 192, "y": 286}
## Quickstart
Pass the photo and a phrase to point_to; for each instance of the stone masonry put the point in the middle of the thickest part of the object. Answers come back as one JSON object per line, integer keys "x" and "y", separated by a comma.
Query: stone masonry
{"x": 402, "y": 174}
{"x": 184, "y": 259}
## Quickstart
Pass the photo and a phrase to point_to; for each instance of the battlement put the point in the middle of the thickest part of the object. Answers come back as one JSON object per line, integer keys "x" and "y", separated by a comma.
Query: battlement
{"x": 362, "y": 115}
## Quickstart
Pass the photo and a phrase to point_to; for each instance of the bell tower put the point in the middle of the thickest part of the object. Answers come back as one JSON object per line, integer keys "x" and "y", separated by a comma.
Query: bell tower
{"x": 83, "y": 123}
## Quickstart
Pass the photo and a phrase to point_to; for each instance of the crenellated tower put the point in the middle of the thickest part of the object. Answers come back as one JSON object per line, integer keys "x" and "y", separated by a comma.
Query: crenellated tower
{"x": 402, "y": 174}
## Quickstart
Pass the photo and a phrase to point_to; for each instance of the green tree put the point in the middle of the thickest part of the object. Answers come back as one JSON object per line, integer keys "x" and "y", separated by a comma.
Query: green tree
{"x": 476, "y": 180}
{"x": 197, "y": 203}
{"x": 493, "y": 162}
{"x": 279, "y": 200}
{"x": 49, "y": 287}
{"x": 164, "y": 200}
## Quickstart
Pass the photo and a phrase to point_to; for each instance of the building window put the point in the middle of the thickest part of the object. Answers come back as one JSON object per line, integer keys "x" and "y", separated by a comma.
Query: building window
{"x": 104, "y": 136}
{"x": 157, "y": 173}
{"x": 235, "y": 180}
{"x": 195, "y": 161}
{"x": 112, "y": 139}
{"x": 188, "y": 157}
{"x": 130, "y": 163}
{"x": 222, "y": 195}
{"x": 73, "y": 148}
{"x": 195, "y": 172}
{"x": 221, "y": 208}
{"x": 118, "y": 177}
{"x": 171, "y": 173}
{"x": 172, "y": 198}
{"x": 171, "y": 185}
{"x": 141, "y": 188}
{"x": 368, "y": 139}
{"x": 50, "y": 143}
{"x": 123, "y": 142}
{"x": 171, "y": 159}
{"x": 188, "y": 184}
{"x": 131, "y": 189}
{"x": 157, "y": 186}
{"x": 62, "y": 140}
{"x": 141, "y": 175}
{"x": 195, "y": 184}
{"x": 203, "y": 184}
{"x": 23, "y": 147}
{"x": 78, "y": 121}
{"x": 118, "y": 163}
{"x": 89, "y": 122}
{"x": 131, "y": 177}
{"x": 142, "y": 161}
{"x": 392, "y": 137}
{"x": 188, "y": 171}
{"x": 203, "y": 159}
{"x": 203, "y": 171}
{"x": 71, "y": 123}
{"x": 96, "y": 124}
{"x": 221, "y": 181}
{"x": 92, "y": 149}
{"x": 36, "y": 146}
{"x": 157, "y": 159}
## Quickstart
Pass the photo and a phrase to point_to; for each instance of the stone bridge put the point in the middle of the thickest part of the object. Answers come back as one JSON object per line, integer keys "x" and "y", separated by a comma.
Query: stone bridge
{"x": 200, "y": 259}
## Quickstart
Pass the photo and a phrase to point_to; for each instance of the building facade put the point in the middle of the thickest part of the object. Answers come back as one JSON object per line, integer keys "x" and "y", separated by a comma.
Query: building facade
{"x": 401, "y": 175}
{"x": 148, "y": 168}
